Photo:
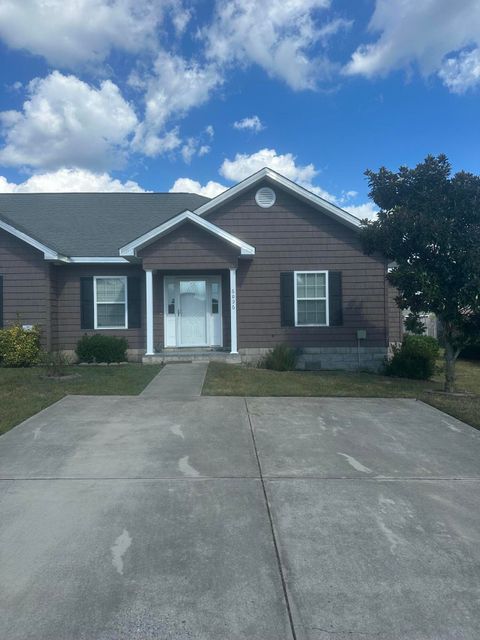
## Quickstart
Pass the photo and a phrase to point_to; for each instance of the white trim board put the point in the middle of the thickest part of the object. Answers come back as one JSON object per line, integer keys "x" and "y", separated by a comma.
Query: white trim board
{"x": 131, "y": 248}
{"x": 276, "y": 179}
{"x": 49, "y": 254}
{"x": 327, "y": 298}
{"x": 97, "y": 260}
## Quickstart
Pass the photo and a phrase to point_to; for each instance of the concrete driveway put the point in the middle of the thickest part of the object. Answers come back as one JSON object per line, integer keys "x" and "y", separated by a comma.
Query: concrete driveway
{"x": 174, "y": 516}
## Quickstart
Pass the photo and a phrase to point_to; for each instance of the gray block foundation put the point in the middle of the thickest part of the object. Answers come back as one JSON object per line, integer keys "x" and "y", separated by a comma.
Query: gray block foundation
{"x": 315, "y": 358}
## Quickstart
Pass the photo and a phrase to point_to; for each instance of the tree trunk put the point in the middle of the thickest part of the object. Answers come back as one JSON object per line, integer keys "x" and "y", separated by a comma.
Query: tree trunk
{"x": 450, "y": 358}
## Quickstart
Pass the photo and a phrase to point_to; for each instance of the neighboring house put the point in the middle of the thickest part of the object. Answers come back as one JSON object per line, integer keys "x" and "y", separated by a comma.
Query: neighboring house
{"x": 265, "y": 262}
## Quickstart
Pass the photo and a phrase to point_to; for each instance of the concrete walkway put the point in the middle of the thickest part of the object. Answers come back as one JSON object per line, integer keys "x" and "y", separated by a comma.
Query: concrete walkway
{"x": 169, "y": 516}
{"x": 179, "y": 380}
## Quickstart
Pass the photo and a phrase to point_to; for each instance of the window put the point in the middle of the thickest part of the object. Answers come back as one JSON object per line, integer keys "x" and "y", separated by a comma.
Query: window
{"x": 311, "y": 295}
{"x": 111, "y": 311}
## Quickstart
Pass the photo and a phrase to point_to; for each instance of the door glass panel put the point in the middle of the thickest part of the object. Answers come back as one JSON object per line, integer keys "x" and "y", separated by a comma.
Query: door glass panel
{"x": 215, "y": 297}
{"x": 193, "y": 312}
{"x": 171, "y": 297}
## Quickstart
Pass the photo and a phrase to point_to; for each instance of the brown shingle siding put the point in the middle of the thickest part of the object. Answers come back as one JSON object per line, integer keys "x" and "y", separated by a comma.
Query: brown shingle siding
{"x": 189, "y": 247}
{"x": 26, "y": 288}
{"x": 292, "y": 236}
{"x": 67, "y": 322}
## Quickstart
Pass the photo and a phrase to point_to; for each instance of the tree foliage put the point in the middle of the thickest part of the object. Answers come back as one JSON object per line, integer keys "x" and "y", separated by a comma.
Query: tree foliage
{"x": 428, "y": 227}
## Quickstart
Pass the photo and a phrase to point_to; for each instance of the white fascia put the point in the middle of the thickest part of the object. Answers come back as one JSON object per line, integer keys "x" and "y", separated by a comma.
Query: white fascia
{"x": 131, "y": 248}
{"x": 288, "y": 185}
{"x": 49, "y": 254}
{"x": 97, "y": 260}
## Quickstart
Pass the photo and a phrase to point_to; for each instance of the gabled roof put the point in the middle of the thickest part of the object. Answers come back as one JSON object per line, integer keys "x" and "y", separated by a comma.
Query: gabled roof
{"x": 105, "y": 227}
{"x": 90, "y": 224}
{"x": 274, "y": 178}
{"x": 131, "y": 249}
{"x": 48, "y": 253}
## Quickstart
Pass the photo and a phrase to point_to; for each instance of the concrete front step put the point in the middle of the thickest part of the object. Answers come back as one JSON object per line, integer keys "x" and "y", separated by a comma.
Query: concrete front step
{"x": 195, "y": 355}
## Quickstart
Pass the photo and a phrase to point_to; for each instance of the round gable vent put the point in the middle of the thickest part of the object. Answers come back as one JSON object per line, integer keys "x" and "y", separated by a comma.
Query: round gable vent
{"x": 265, "y": 197}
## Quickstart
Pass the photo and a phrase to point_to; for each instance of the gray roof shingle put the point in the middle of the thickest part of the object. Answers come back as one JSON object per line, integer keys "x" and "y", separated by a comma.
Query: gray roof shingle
{"x": 91, "y": 224}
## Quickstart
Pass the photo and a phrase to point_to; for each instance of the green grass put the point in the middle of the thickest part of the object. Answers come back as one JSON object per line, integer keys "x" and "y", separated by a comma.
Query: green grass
{"x": 236, "y": 380}
{"x": 23, "y": 392}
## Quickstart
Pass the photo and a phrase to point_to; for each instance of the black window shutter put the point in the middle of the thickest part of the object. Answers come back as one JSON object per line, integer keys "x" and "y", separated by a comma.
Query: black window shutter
{"x": 287, "y": 299}
{"x": 1, "y": 302}
{"x": 335, "y": 305}
{"x": 86, "y": 303}
{"x": 134, "y": 302}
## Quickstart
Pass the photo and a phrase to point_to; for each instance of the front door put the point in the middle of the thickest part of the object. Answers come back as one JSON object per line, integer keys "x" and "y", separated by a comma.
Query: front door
{"x": 193, "y": 311}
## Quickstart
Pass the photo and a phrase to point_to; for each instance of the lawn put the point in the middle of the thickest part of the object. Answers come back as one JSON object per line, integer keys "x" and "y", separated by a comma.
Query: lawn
{"x": 236, "y": 380}
{"x": 23, "y": 392}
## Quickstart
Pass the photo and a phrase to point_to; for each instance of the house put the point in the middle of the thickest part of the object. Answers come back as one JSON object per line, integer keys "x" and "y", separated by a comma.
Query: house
{"x": 263, "y": 263}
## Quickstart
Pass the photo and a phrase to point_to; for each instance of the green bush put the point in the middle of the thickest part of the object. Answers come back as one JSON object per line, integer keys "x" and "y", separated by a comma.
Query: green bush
{"x": 98, "y": 348}
{"x": 19, "y": 347}
{"x": 280, "y": 358}
{"x": 415, "y": 358}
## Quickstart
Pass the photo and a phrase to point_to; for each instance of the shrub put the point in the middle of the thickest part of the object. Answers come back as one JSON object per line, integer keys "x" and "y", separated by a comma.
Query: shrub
{"x": 280, "y": 358}
{"x": 98, "y": 348}
{"x": 55, "y": 363}
{"x": 415, "y": 358}
{"x": 19, "y": 347}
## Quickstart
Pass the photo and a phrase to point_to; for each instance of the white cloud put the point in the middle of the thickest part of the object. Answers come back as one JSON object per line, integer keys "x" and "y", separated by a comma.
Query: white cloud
{"x": 187, "y": 185}
{"x": 69, "y": 33}
{"x": 69, "y": 180}
{"x": 366, "y": 210}
{"x": 189, "y": 150}
{"x": 174, "y": 88}
{"x": 243, "y": 165}
{"x": 422, "y": 33}
{"x": 252, "y": 123}
{"x": 461, "y": 72}
{"x": 283, "y": 37}
{"x": 66, "y": 122}
{"x": 204, "y": 150}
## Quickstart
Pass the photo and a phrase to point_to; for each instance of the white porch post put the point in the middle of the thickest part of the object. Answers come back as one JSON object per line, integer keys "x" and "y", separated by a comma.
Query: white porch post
{"x": 233, "y": 311}
{"x": 149, "y": 305}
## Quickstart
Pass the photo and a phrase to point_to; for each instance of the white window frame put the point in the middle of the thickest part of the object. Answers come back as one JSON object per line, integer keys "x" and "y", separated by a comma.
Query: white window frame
{"x": 327, "y": 315}
{"x": 95, "y": 303}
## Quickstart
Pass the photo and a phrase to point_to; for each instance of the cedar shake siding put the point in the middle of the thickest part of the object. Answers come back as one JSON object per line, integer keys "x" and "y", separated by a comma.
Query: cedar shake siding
{"x": 67, "y": 284}
{"x": 189, "y": 247}
{"x": 292, "y": 236}
{"x": 26, "y": 285}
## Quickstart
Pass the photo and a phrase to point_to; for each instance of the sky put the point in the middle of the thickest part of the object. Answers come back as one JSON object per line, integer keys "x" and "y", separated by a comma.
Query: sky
{"x": 195, "y": 95}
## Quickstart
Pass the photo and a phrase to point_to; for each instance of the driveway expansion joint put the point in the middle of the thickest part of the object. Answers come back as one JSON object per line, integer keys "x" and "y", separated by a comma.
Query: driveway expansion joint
{"x": 272, "y": 528}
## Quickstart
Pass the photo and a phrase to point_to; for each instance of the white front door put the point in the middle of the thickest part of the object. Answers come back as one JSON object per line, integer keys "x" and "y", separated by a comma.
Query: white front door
{"x": 192, "y": 298}
{"x": 193, "y": 315}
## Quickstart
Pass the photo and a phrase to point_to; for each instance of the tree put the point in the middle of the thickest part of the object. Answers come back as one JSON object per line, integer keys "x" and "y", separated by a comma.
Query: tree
{"x": 428, "y": 227}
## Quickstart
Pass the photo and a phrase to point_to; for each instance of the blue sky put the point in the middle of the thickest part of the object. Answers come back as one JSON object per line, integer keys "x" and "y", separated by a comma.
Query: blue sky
{"x": 102, "y": 95}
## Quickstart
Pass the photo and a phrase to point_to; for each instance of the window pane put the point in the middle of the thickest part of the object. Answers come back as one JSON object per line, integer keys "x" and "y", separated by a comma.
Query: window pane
{"x": 311, "y": 285}
{"x": 311, "y": 312}
{"x": 321, "y": 289}
{"x": 301, "y": 289}
{"x": 111, "y": 315}
{"x": 214, "y": 305}
{"x": 110, "y": 290}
